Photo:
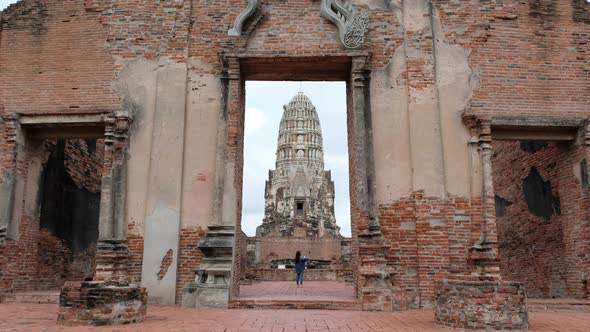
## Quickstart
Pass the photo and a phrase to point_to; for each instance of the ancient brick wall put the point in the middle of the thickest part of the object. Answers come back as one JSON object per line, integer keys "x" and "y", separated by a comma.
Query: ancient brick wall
{"x": 285, "y": 248}
{"x": 53, "y": 59}
{"x": 60, "y": 242}
{"x": 493, "y": 58}
{"x": 531, "y": 56}
{"x": 189, "y": 256}
{"x": 99, "y": 303}
{"x": 539, "y": 201}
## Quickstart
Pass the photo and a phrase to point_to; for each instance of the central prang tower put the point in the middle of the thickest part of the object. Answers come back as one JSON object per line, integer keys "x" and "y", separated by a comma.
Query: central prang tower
{"x": 299, "y": 194}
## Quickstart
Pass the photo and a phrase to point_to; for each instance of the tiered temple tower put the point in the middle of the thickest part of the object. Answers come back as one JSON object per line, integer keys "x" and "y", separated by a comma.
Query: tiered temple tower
{"x": 299, "y": 194}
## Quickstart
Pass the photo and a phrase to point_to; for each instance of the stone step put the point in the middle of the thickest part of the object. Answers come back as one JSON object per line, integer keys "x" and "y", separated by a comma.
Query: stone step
{"x": 558, "y": 305}
{"x": 45, "y": 297}
{"x": 294, "y": 304}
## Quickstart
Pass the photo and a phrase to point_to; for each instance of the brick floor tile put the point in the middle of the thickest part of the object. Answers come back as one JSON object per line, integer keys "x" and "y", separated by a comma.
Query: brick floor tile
{"x": 20, "y": 317}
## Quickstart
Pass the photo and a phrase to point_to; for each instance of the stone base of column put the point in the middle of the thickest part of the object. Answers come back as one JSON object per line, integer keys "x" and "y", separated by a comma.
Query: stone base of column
{"x": 212, "y": 282}
{"x": 481, "y": 302}
{"x": 98, "y": 303}
{"x": 377, "y": 293}
{"x": 111, "y": 259}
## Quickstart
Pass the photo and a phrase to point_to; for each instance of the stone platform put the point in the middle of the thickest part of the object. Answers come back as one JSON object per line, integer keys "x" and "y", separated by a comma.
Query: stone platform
{"x": 328, "y": 295}
{"x": 97, "y": 303}
{"x": 481, "y": 302}
{"x": 558, "y": 305}
{"x": 50, "y": 296}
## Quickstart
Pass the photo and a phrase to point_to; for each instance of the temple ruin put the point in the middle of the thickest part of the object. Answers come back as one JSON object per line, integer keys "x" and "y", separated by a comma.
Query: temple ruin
{"x": 299, "y": 204}
{"x": 468, "y": 126}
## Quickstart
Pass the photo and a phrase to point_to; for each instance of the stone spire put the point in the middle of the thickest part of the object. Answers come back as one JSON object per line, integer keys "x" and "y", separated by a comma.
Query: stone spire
{"x": 299, "y": 194}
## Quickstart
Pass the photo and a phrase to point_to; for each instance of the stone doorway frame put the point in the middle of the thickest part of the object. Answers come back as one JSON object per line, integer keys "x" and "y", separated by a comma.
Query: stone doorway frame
{"x": 19, "y": 129}
{"x": 351, "y": 67}
{"x": 485, "y": 129}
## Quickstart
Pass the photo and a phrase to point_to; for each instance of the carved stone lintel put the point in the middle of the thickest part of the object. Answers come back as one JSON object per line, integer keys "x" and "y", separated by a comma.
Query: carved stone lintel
{"x": 236, "y": 30}
{"x": 352, "y": 25}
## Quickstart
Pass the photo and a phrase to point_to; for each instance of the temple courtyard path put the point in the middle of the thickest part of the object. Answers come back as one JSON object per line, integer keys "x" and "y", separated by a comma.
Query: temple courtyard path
{"x": 41, "y": 317}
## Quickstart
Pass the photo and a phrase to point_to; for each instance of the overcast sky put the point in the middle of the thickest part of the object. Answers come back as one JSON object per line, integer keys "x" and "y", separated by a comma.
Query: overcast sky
{"x": 5, "y": 3}
{"x": 264, "y": 108}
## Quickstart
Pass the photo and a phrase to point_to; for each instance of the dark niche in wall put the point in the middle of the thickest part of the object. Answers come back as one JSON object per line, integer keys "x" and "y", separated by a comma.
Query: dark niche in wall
{"x": 532, "y": 146}
{"x": 502, "y": 205}
{"x": 584, "y": 173}
{"x": 68, "y": 211}
{"x": 540, "y": 198}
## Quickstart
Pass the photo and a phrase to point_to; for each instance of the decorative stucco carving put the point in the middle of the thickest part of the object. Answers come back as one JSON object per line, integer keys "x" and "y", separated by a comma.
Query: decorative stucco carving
{"x": 352, "y": 25}
{"x": 242, "y": 17}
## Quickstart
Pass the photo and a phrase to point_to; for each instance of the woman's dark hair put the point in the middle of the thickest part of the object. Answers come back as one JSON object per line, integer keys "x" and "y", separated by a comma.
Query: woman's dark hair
{"x": 297, "y": 257}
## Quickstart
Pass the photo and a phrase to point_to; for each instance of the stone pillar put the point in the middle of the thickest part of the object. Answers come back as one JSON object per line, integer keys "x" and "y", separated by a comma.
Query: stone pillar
{"x": 8, "y": 146}
{"x": 112, "y": 253}
{"x": 481, "y": 299}
{"x": 215, "y": 279}
{"x": 361, "y": 147}
{"x": 585, "y": 244}
{"x": 483, "y": 255}
{"x": 375, "y": 288}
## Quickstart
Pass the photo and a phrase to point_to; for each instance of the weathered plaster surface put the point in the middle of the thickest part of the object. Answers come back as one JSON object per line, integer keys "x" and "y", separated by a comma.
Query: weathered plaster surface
{"x": 420, "y": 140}
{"x": 6, "y": 198}
{"x": 156, "y": 91}
{"x": 391, "y": 135}
{"x": 455, "y": 82}
{"x": 136, "y": 85}
{"x": 203, "y": 112}
{"x": 161, "y": 236}
{"x": 425, "y": 137}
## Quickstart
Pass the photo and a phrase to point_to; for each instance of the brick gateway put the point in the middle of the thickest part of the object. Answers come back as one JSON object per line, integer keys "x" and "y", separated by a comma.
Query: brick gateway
{"x": 433, "y": 86}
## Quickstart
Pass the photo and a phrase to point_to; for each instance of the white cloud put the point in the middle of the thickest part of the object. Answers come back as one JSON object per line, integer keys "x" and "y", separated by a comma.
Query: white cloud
{"x": 255, "y": 119}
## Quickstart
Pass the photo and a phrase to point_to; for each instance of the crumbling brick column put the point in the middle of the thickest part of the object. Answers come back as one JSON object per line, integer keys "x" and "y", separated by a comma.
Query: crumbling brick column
{"x": 112, "y": 253}
{"x": 97, "y": 303}
{"x": 110, "y": 299}
{"x": 481, "y": 299}
{"x": 217, "y": 277}
{"x": 8, "y": 170}
{"x": 373, "y": 280}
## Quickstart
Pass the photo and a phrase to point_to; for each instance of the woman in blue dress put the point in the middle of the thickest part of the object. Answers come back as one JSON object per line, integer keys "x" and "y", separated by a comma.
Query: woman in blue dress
{"x": 300, "y": 267}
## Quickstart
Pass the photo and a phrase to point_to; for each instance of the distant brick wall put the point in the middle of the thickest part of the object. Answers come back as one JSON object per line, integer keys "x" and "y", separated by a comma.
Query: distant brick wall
{"x": 309, "y": 275}
{"x": 285, "y": 248}
{"x": 539, "y": 202}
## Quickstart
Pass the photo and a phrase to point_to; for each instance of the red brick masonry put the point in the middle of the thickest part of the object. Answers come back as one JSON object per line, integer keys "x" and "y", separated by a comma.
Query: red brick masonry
{"x": 101, "y": 303}
{"x": 478, "y": 302}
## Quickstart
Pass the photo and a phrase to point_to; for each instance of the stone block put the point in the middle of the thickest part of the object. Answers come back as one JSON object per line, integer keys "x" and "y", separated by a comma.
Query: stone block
{"x": 474, "y": 302}
{"x": 98, "y": 303}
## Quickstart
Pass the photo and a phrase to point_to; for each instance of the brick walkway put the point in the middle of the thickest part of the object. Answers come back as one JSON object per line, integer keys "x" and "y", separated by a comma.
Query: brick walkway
{"x": 41, "y": 317}
{"x": 311, "y": 291}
